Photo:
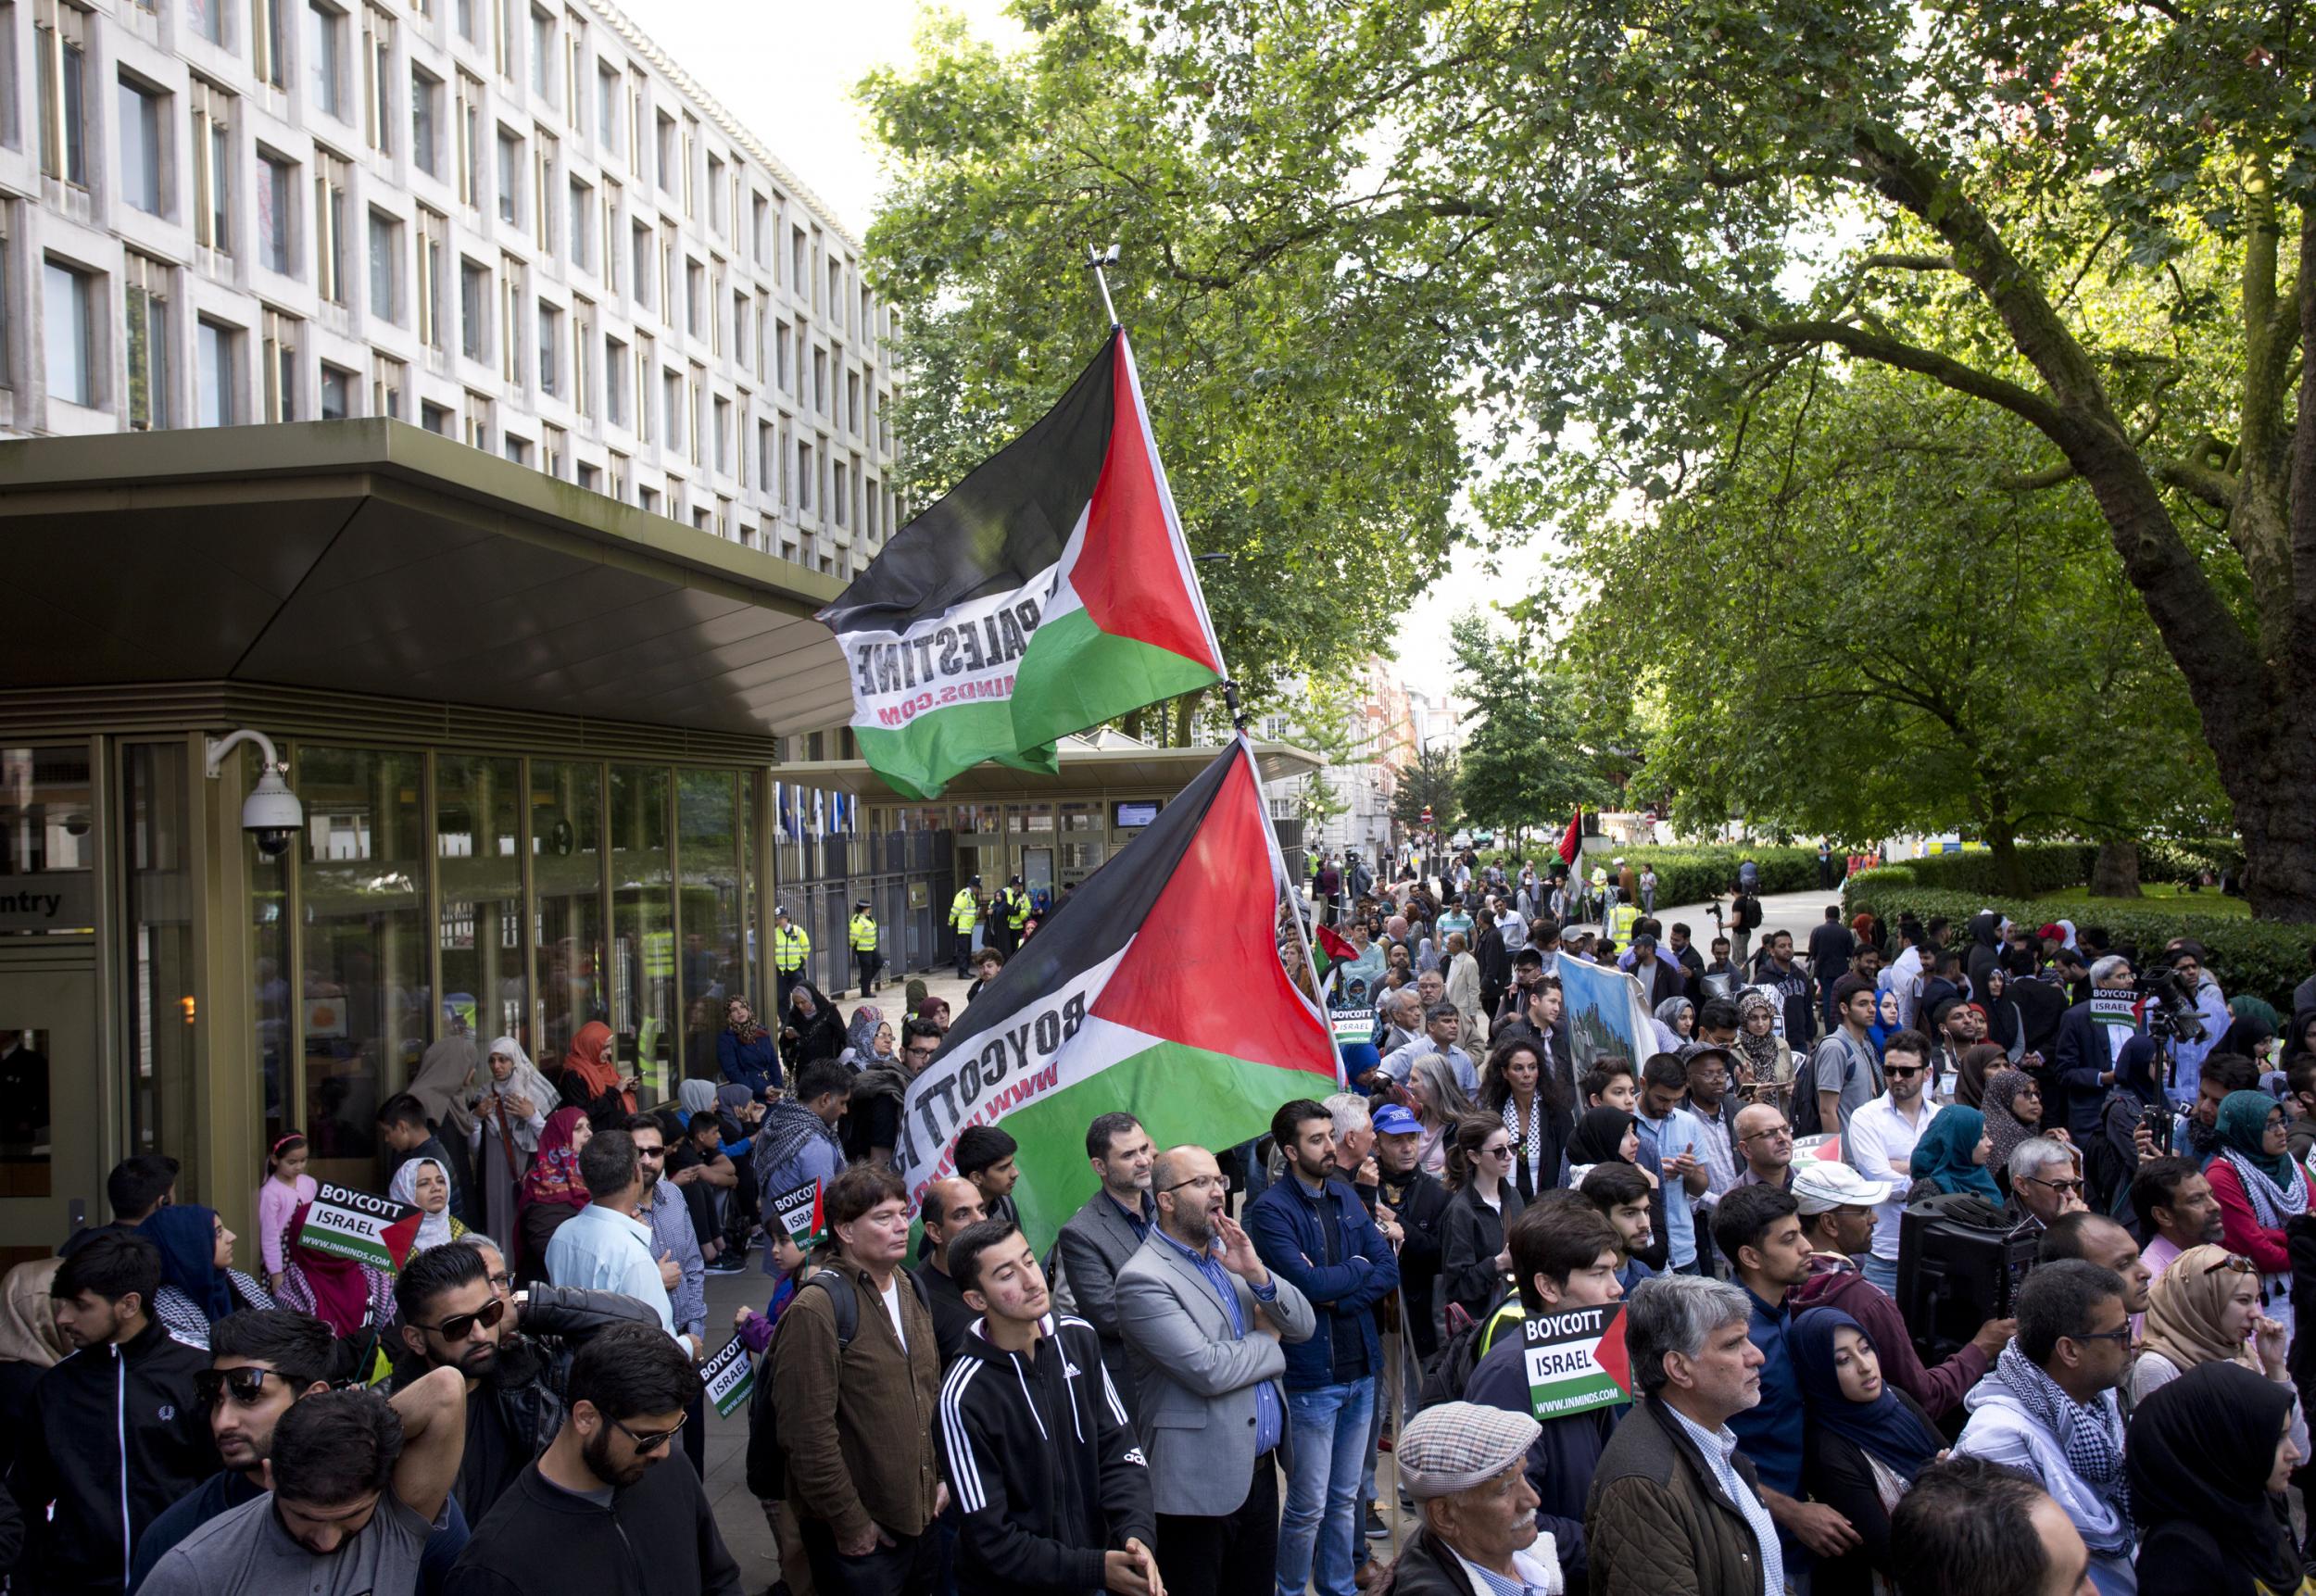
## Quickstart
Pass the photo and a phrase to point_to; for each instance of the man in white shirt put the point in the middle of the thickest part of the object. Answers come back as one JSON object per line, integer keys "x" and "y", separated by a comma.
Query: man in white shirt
{"x": 1902, "y": 974}
{"x": 1879, "y": 1142}
{"x": 604, "y": 1247}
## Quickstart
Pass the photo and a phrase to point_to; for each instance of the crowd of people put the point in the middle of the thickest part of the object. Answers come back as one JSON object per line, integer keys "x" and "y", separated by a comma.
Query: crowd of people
{"x": 1195, "y": 1387}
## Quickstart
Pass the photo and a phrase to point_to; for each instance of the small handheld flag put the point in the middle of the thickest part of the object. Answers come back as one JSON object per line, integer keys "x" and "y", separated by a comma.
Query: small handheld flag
{"x": 348, "y": 1224}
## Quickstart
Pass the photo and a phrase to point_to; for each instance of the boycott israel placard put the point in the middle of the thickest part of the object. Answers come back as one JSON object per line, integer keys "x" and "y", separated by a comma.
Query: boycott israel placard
{"x": 348, "y": 1224}
{"x": 799, "y": 1213}
{"x": 729, "y": 1377}
{"x": 1353, "y": 1025}
{"x": 1576, "y": 1361}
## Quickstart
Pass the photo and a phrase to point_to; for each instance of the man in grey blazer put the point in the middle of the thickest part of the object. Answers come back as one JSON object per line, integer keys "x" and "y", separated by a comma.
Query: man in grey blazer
{"x": 1101, "y": 1236}
{"x": 1203, "y": 1319}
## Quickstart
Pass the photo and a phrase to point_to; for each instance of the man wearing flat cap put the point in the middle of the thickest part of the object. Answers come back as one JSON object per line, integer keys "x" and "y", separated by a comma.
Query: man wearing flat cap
{"x": 1466, "y": 1467}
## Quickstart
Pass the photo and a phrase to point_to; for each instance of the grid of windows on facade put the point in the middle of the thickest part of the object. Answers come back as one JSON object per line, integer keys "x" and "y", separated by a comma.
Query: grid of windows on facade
{"x": 560, "y": 892}
{"x": 502, "y": 219}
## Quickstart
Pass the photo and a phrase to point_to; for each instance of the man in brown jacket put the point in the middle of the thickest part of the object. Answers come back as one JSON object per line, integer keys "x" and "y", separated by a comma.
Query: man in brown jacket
{"x": 1674, "y": 1511}
{"x": 856, "y": 1416}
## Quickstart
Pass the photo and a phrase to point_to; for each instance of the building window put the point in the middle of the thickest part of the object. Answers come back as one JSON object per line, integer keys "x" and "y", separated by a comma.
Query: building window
{"x": 208, "y": 17}
{"x": 550, "y": 348}
{"x": 672, "y": 408}
{"x": 434, "y": 417}
{"x": 837, "y": 493}
{"x": 389, "y": 380}
{"x": 667, "y": 153}
{"x": 691, "y": 141}
{"x": 574, "y": 64}
{"x": 433, "y": 234}
{"x": 269, "y": 51}
{"x": 147, "y": 334}
{"x": 543, "y": 193}
{"x": 724, "y": 435}
{"x": 61, "y": 35}
{"x": 606, "y": 106}
{"x": 510, "y": 297}
{"x": 784, "y": 356}
{"x": 718, "y": 220}
{"x": 803, "y": 477}
{"x": 554, "y": 449}
{"x": 510, "y": 178}
{"x": 543, "y": 55}
{"x": 478, "y": 421}
{"x": 330, "y": 185}
{"x": 377, "y": 68}
{"x": 386, "y": 256}
{"x": 218, "y": 352}
{"x": 694, "y": 295}
{"x": 466, "y": 124}
{"x": 644, "y": 363}
{"x": 852, "y": 402}
{"x": 582, "y": 357}
{"x": 465, "y": 22}
{"x": 504, "y": 45}
{"x": 279, "y": 357}
{"x": 474, "y": 309}
{"x": 143, "y": 114}
{"x": 582, "y": 227}
{"x": 517, "y": 449}
{"x": 275, "y": 177}
{"x": 643, "y": 237}
{"x": 615, "y": 382}
{"x": 692, "y": 385}
{"x": 213, "y": 167}
{"x": 337, "y": 393}
{"x": 325, "y": 45}
{"x": 618, "y": 485}
{"x": 68, "y": 326}
{"x": 820, "y": 380}
{"x": 611, "y": 235}
{"x": 425, "y": 121}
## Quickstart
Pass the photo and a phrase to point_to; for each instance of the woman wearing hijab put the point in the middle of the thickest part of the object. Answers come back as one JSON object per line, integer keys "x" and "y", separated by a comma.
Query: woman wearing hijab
{"x": 2300, "y": 1040}
{"x": 199, "y": 1285}
{"x": 424, "y": 1184}
{"x": 746, "y": 1053}
{"x": 445, "y": 1083}
{"x": 811, "y": 1029}
{"x": 2205, "y": 1308}
{"x": 30, "y": 1346}
{"x": 592, "y": 1079}
{"x": 2013, "y": 1107}
{"x": 2259, "y": 1187}
{"x": 1765, "y": 1061}
{"x": 2005, "y": 1027}
{"x": 2207, "y": 1465}
{"x": 2250, "y": 1037}
{"x": 347, "y": 1296}
{"x": 1887, "y": 1023}
{"x": 552, "y": 1190}
{"x": 1977, "y": 1061}
{"x": 1605, "y": 1134}
{"x": 2113, "y": 1156}
{"x": 510, "y": 1115}
{"x": 1865, "y": 1441}
{"x": 1951, "y": 1157}
{"x": 1676, "y": 1021}
{"x": 860, "y": 1036}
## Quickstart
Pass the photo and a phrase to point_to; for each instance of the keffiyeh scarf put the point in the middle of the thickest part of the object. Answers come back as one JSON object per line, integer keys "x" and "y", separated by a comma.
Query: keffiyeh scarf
{"x": 2091, "y": 1438}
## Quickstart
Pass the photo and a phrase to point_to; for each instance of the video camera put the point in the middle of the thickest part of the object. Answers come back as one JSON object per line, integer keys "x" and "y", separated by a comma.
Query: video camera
{"x": 2172, "y": 1016}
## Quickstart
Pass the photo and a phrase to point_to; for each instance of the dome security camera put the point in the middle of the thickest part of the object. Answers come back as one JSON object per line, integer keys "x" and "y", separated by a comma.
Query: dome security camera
{"x": 270, "y": 814}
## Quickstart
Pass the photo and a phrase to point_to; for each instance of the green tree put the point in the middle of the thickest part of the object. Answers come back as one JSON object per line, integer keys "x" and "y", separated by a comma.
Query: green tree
{"x": 1429, "y": 779}
{"x": 1316, "y": 463}
{"x": 1876, "y": 637}
{"x": 1631, "y": 214}
{"x": 1526, "y": 755}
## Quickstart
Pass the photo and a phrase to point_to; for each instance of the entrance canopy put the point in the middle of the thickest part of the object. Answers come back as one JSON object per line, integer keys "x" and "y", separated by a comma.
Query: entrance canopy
{"x": 1107, "y": 761}
{"x": 372, "y": 557}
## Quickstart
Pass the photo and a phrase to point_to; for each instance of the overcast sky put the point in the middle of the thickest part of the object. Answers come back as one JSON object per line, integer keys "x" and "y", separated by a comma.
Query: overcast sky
{"x": 787, "y": 72}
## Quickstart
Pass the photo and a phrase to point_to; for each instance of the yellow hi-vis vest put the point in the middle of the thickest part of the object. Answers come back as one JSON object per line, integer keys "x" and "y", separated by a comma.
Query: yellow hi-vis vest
{"x": 964, "y": 912}
{"x": 1020, "y": 916}
{"x": 863, "y": 934}
{"x": 789, "y": 948}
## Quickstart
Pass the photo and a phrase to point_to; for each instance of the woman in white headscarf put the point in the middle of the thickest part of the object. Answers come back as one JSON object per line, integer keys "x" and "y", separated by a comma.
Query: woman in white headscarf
{"x": 424, "y": 1183}
{"x": 511, "y": 1112}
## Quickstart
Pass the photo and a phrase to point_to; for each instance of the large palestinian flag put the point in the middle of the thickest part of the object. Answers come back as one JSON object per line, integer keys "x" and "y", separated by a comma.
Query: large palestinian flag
{"x": 1155, "y": 987}
{"x": 1049, "y": 592}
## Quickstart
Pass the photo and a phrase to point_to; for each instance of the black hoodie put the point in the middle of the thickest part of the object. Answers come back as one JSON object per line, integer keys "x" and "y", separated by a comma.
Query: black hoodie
{"x": 1043, "y": 1462}
{"x": 116, "y": 1436}
{"x": 658, "y": 1537}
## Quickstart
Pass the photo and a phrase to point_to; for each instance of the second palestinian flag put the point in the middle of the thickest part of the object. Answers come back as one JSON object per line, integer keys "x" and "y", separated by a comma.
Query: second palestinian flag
{"x": 1156, "y": 988}
{"x": 1050, "y": 591}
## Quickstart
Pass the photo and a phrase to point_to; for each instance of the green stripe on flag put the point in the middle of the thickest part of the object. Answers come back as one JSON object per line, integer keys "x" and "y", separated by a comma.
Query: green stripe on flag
{"x": 1076, "y": 675}
{"x": 921, "y": 758}
{"x": 1182, "y": 1095}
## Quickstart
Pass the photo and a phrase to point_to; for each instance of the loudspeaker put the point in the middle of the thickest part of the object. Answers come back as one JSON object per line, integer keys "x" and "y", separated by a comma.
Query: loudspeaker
{"x": 1960, "y": 1261}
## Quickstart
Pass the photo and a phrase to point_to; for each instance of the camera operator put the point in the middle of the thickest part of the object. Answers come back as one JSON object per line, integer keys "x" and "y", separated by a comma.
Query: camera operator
{"x": 2194, "y": 1013}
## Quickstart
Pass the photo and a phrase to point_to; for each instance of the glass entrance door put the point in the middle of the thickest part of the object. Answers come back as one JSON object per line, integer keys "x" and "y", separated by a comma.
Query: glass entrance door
{"x": 50, "y": 1157}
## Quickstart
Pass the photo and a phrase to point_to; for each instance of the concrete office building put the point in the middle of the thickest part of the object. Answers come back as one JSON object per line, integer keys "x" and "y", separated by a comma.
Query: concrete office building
{"x": 511, "y": 222}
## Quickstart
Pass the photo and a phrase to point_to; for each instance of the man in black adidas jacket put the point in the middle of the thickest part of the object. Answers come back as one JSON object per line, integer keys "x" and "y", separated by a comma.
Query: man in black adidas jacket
{"x": 1040, "y": 1449}
{"x": 117, "y": 1433}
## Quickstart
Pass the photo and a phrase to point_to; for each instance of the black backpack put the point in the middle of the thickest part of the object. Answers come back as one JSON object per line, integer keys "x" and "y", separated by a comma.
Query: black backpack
{"x": 1450, "y": 1367}
{"x": 767, "y": 1461}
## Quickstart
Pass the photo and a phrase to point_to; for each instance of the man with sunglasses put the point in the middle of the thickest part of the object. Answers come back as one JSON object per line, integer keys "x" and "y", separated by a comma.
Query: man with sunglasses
{"x": 598, "y": 1512}
{"x": 452, "y": 1316}
{"x": 263, "y": 1361}
{"x": 2049, "y": 1409}
{"x": 1879, "y": 1142}
{"x": 2045, "y": 1181}
{"x": 360, "y": 1485}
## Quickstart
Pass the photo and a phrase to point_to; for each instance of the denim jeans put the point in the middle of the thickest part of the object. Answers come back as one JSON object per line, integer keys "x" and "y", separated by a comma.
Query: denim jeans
{"x": 1881, "y": 1271}
{"x": 1328, "y": 1428}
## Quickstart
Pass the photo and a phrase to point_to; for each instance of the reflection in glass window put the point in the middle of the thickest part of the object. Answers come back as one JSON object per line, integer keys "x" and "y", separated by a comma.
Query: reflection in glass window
{"x": 712, "y": 967}
{"x": 567, "y": 874}
{"x": 478, "y": 845}
{"x": 643, "y": 933}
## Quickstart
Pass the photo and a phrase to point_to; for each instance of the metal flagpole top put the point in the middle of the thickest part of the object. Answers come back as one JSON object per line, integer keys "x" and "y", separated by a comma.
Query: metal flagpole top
{"x": 1095, "y": 260}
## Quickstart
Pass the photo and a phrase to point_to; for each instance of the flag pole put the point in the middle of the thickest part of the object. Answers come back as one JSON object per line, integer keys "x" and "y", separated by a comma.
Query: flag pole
{"x": 1096, "y": 259}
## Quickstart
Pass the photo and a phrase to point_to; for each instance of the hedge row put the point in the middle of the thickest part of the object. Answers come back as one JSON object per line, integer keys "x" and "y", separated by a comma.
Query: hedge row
{"x": 2253, "y": 956}
{"x": 1690, "y": 874}
{"x": 2043, "y": 867}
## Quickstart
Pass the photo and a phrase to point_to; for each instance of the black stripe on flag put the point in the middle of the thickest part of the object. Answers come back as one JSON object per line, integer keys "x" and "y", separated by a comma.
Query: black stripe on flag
{"x": 1010, "y": 519}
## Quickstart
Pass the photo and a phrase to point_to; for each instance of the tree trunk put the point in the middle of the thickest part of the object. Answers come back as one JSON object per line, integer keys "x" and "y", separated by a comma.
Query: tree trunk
{"x": 1186, "y": 707}
{"x": 2277, "y": 819}
{"x": 2004, "y": 846}
{"x": 1131, "y": 723}
{"x": 2116, "y": 874}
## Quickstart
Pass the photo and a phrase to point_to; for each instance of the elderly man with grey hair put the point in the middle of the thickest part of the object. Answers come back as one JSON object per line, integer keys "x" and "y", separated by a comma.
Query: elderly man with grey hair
{"x": 1673, "y": 1506}
{"x": 1467, "y": 1468}
{"x": 2091, "y": 1040}
{"x": 2045, "y": 1181}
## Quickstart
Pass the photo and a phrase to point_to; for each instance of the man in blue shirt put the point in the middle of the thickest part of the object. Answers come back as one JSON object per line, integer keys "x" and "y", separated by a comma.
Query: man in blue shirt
{"x": 1758, "y": 1231}
{"x": 1312, "y": 1231}
{"x": 604, "y": 1247}
{"x": 660, "y": 1204}
{"x": 1671, "y": 1137}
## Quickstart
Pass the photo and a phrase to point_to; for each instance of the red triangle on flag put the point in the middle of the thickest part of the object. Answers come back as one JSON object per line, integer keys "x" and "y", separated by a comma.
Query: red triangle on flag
{"x": 1615, "y": 1360}
{"x": 1203, "y": 970}
{"x": 1572, "y": 840}
{"x": 401, "y": 1236}
{"x": 1332, "y": 944}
